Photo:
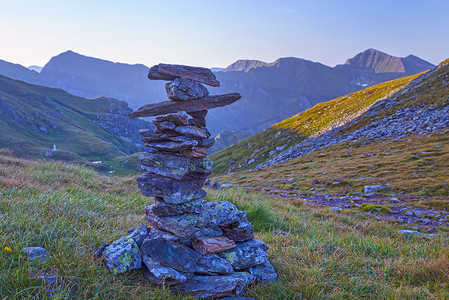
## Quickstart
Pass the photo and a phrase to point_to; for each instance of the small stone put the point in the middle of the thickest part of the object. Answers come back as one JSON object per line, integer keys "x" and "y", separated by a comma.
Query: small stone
{"x": 246, "y": 254}
{"x": 394, "y": 199}
{"x": 139, "y": 234}
{"x": 198, "y": 113}
{"x": 211, "y": 245}
{"x": 155, "y": 233}
{"x": 206, "y": 143}
{"x": 123, "y": 255}
{"x": 196, "y": 152}
{"x": 164, "y": 125}
{"x": 209, "y": 232}
{"x": 372, "y": 189}
{"x": 241, "y": 232}
{"x": 407, "y": 232}
{"x": 171, "y": 190}
{"x": 263, "y": 272}
{"x": 36, "y": 254}
{"x": 207, "y": 287}
{"x": 193, "y": 131}
{"x": 198, "y": 122}
{"x": 182, "y": 89}
{"x": 179, "y": 118}
{"x": 158, "y": 274}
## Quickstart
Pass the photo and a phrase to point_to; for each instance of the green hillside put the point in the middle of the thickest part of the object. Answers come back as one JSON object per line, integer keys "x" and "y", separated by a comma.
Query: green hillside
{"x": 318, "y": 254}
{"x": 261, "y": 146}
{"x": 34, "y": 118}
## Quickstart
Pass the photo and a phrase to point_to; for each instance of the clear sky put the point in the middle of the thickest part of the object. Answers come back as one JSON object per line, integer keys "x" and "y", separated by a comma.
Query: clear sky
{"x": 217, "y": 32}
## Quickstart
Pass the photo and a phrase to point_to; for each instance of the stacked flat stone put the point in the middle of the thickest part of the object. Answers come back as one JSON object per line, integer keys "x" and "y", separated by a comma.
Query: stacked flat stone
{"x": 199, "y": 247}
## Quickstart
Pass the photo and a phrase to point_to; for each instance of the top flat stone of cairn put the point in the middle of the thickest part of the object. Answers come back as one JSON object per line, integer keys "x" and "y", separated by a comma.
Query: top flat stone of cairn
{"x": 171, "y": 72}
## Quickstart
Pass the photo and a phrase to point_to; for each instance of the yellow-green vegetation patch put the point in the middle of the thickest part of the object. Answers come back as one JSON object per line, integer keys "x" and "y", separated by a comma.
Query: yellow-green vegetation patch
{"x": 438, "y": 204}
{"x": 324, "y": 114}
{"x": 375, "y": 208}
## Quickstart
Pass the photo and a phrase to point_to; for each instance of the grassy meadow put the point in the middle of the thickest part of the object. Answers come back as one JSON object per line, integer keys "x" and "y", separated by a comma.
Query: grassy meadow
{"x": 319, "y": 254}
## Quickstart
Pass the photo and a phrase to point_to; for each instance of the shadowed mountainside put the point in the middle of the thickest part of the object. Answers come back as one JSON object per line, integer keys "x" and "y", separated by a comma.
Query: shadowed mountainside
{"x": 34, "y": 118}
{"x": 271, "y": 91}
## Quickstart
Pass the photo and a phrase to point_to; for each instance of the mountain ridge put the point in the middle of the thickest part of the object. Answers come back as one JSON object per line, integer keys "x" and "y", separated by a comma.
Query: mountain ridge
{"x": 271, "y": 91}
{"x": 34, "y": 118}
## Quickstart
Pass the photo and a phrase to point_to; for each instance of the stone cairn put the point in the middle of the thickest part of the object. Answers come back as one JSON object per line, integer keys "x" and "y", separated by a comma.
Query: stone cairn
{"x": 199, "y": 247}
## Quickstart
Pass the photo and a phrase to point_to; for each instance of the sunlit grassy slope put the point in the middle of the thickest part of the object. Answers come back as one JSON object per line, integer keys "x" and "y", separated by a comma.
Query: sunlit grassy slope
{"x": 260, "y": 147}
{"x": 416, "y": 165}
{"x": 71, "y": 210}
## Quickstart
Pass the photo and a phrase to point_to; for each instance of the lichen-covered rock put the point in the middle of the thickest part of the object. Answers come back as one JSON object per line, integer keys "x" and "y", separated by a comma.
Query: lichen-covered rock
{"x": 123, "y": 255}
{"x": 163, "y": 209}
{"x": 36, "y": 254}
{"x": 170, "y": 254}
{"x": 171, "y": 190}
{"x": 372, "y": 189}
{"x": 239, "y": 232}
{"x": 139, "y": 234}
{"x": 213, "y": 264}
{"x": 155, "y": 233}
{"x": 173, "y": 165}
{"x": 207, "y": 287}
{"x": 182, "y": 89}
{"x": 263, "y": 272}
{"x": 219, "y": 213}
{"x": 183, "y": 226}
{"x": 246, "y": 254}
{"x": 209, "y": 232}
{"x": 157, "y": 273}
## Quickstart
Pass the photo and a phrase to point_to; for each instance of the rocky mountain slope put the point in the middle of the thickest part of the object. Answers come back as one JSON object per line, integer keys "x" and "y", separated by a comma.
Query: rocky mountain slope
{"x": 271, "y": 91}
{"x": 395, "y": 109}
{"x": 35, "y": 118}
{"x": 382, "y": 152}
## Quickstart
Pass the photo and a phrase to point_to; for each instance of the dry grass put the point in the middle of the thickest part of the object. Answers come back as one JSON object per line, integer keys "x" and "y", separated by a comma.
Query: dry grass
{"x": 71, "y": 210}
{"x": 416, "y": 165}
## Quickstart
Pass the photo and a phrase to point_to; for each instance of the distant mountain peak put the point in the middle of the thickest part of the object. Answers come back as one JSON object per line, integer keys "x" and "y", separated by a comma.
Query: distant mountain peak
{"x": 244, "y": 65}
{"x": 35, "y": 68}
{"x": 381, "y": 62}
{"x": 377, "y": 61}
